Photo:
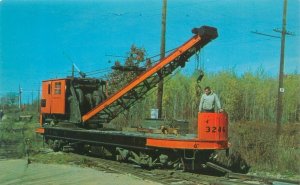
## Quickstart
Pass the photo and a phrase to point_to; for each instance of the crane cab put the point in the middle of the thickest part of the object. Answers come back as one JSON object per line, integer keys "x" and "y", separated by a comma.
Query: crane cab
{"x": 53, "y": 97}
{"x": 67, "y": 99}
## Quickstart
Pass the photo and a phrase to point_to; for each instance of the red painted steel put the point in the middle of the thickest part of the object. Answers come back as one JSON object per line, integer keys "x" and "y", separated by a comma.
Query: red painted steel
{"x": 185, "y": 144}
{"x": 213, "y": 127}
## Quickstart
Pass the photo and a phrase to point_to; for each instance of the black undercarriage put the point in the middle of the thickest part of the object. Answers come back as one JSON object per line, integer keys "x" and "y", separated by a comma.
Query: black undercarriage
{"x": 129, "y": 147}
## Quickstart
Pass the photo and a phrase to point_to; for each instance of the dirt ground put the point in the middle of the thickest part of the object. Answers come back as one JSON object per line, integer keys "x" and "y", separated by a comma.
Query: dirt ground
{"x": 16, "y": 171}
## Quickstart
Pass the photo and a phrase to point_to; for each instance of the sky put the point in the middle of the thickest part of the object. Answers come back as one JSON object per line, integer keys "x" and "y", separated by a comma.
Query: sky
{"x": 40, "y": 39}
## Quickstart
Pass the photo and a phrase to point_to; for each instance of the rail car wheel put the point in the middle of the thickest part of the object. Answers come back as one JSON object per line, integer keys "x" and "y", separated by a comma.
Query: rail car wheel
{"x": 55, "y": 145}
{"x": 140, "y": 158}
{"x": 147, "y": 159}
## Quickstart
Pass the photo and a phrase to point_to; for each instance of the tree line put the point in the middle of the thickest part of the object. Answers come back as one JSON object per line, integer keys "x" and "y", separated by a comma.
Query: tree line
{"x": 251, "y": 96}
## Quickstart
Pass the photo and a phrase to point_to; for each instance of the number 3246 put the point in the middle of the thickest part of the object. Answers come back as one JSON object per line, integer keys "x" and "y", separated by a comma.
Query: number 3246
{"x": 215, "y": 129}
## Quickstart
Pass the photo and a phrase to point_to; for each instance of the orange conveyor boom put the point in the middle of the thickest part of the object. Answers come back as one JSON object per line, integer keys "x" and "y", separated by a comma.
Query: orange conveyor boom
{"x": 139, "y": 79}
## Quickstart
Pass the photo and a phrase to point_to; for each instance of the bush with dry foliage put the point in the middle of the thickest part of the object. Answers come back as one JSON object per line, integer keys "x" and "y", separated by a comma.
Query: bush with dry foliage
{"x": 258, "y": 144}
{"x": 132, "y": 67}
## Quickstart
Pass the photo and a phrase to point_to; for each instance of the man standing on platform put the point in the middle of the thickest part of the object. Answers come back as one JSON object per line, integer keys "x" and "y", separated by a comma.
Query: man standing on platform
{"x": 209, "y": 101}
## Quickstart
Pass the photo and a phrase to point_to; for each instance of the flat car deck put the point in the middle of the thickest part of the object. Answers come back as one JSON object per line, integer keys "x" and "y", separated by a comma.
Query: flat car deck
{"x": 138, "y": 140}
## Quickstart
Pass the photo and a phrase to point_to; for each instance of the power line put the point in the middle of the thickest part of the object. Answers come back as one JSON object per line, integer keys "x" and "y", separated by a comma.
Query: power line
{"x": 283, "y": 32}
{"x": 264, "y": 34}
{"x": 286, "y": 32}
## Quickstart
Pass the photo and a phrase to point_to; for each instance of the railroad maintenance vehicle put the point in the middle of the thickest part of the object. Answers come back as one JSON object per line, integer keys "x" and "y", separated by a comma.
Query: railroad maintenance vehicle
{"x": 74, "y": 109}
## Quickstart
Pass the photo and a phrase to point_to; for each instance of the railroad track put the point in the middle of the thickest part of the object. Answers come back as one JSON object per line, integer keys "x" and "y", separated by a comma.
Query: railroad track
{"x": 162, "y": 176}
{"x": 173, "y": 177}
{"x": 263, "y": 180}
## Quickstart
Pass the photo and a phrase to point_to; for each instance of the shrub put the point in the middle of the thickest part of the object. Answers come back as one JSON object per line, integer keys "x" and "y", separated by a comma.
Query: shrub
{"x": 258, "y": 144}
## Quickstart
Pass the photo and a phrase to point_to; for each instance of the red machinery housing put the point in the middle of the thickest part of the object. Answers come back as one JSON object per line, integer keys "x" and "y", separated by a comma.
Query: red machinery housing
{"x": 67, "y": 99}
{"x": 212, "y": 134}
{"x": 83, "y": 104}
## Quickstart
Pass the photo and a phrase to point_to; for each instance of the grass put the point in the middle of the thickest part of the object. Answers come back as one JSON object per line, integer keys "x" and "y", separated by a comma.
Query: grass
{"x": 258, "y": 144}
{"x": 14, "y": 133}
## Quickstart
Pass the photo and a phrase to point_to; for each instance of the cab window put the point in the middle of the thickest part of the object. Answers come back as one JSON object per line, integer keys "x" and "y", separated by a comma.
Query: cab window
{"x": 57, "y": 88}
{"x": 49, "y": 88}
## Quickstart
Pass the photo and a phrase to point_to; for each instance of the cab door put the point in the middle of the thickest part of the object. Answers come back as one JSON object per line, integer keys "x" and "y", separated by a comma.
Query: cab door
{"x": 46, "y": 97}
{"x": 58, "y": 96}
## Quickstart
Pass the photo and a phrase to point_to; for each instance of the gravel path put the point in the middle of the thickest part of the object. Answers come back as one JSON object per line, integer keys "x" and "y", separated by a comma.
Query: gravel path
{"x": 18, "y": 172}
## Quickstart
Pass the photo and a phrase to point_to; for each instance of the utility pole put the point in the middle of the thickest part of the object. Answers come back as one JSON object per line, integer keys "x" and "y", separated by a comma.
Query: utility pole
{"x": 32, "y": 97}
{"x": 20, "y": 96}
{"x": 281, "y": 72}
{"x": 283, "y": 32}
{"x": 160, "y": 88}
{"x": 73, "y": 70}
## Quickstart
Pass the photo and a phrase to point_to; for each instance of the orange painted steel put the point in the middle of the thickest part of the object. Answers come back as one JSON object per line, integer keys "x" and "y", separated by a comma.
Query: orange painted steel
{"x": 186, "y": 46}
{"x": 40, "y": 130}
{"x": 212, "y": 134}
{"x": 46, "y": 96}
{"x": 58, "y": 96}
{"x": 41, "y": 120}
{"x": 53, "y": 93}
{"x": 213, "y": 126}
{"x": 186, "y": 144}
